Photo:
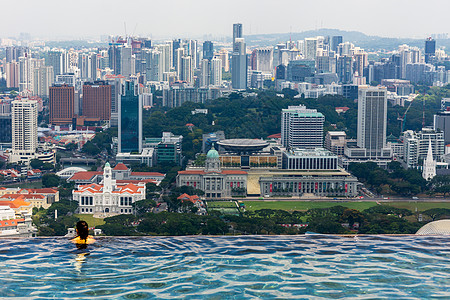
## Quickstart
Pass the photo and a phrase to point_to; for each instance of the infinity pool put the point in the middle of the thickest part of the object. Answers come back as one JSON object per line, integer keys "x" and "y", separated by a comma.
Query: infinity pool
{"x": 267, "y": 267}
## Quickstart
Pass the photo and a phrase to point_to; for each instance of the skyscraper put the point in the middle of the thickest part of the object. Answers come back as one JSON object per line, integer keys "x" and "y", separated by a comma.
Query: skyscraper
{"x": 187, "y": 72}
{"x": 62, "y": 101}
{"x": 216, "y": 72}
{"x": 335, "y": 41}
{"x": 97, "y": 100}
{"x": 301, "y": 127}
{"x": 237, "y": 32}
{"x": 372, "y": 120}
{"x": 43, "y": 78}
{"x": 130, "y": 118}
{"x": 24, "y": 128}
{"x": 208, "y": 50}
{"x": 430, "y": 48}
{"x": 239, "y": 65}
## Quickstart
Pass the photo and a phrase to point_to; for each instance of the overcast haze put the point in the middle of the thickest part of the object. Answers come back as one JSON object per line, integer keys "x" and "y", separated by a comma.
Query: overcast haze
{"x": 185, "y": 18}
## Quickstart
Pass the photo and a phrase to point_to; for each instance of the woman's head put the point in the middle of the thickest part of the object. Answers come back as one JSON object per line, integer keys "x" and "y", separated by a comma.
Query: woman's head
{"x": 82, "y": 229}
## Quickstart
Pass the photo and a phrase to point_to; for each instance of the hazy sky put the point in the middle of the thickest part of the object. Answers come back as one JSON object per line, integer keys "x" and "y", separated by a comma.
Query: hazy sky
{"x": 189, "y": 18}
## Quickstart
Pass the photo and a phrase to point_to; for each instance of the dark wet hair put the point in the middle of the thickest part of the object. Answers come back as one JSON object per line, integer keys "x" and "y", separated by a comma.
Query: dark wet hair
{"x": 82, "y": 230}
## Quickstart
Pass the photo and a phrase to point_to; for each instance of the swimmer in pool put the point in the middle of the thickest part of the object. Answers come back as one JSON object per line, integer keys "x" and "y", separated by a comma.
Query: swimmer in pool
{"x": 83, "y": 238}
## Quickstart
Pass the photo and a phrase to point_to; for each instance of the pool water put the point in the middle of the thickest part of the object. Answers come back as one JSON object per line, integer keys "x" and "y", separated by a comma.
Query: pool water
{"x": 242, "y": 267}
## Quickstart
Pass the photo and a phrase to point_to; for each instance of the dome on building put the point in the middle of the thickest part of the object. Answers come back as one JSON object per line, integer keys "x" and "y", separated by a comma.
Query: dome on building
{"x": 212, "y": 153}
{"x": 107, "y": 165}
{"x": 441, "y": 227}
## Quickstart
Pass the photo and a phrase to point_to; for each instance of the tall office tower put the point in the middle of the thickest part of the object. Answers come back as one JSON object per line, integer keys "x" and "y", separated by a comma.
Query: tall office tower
{"x": 95, "y": 63}
{"x": 223, "y": 55}
{"x": 310, "y": 48}
{"x": 430, "y": 49}
{"x": 71, "y": 61}
{"x": 301, "y": 127}
{"x": 97, "y": 100}
{"x": 13, "y": 53}
{"x": 187, "y": 72}
{"x": 361, "y": 61}
{"x": 126, "y": 61}
{"x": 115, "y": 81}
{"x": 344, "y": 69}
{"x": 5, "y": 122}
{"x": 24, "y": 128}
{"x": 237, "y": 32}
{"x": 264, "y": 60}
{"x": 62, "y": 104}
{"x": 26, "y": 71}
{"x": 216, "y": 72}
{"x": 205, "y": 73}
{"x": 345, "y": 48}
{"x": 114, "y": 57}
{"x": 239, "y": 65}
{"x": 164, "y": 60}
{"x": 85, "y": 66}
{"x": 192, "y": 46}
{"x": 208, "y": 50}
{"x": 152, "y": 57}
{"x": 372, "y": 120}
{"x": 176, "y": 44}
{"x": 130, "y": 118}
{"x": 43, "y": 78}
{"x": 179, "y": 54}
{"x": 12, "y": 74}
{"x": 335, "y": 41}
{"x": 56, "y": 60}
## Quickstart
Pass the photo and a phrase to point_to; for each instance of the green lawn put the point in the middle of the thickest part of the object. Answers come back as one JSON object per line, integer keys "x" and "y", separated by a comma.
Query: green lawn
{"x": 305, "y": 205}
{"x": 212, "y": 204}
{"x": 92, "y": 222}
{"x": 23, "y": 185}
{"x": 421, "y": 206}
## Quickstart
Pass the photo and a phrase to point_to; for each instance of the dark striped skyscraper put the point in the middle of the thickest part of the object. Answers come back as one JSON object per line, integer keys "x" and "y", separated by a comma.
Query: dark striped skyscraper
{"x": 61, "y": 104}
{"x": 130, "y": 118}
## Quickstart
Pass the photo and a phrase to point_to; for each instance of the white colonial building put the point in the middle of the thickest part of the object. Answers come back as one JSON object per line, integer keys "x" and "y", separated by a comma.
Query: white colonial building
{"x": 109, "y": 197}
{"x": 215, "y": 182}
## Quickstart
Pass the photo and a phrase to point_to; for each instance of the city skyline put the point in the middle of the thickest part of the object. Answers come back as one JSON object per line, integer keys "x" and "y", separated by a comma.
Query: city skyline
{"x": 195, "y": 18}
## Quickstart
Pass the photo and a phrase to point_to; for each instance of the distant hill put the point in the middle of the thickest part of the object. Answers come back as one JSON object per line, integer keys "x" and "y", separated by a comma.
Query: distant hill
{"x": 358, "y": 38}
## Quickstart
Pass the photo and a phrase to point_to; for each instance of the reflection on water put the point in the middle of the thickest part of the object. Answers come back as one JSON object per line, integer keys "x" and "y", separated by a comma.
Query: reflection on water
{"x": 228, "y": 267}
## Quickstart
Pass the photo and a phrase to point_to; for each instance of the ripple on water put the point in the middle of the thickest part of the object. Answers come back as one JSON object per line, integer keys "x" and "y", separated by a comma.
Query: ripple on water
{"x": 313, "y": 266}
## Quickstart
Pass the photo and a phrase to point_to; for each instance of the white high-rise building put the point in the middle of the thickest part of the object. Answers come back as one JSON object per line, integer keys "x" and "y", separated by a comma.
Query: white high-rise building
{"x": 26, "y": 72}
{"x": 187, "y": 71}
{"x": 127, "y": 66}
{"x": 43, "y": 79}
{"x": 301, "y": 127}
{"x": 216, "y": 72}
{"x": 310, "y": 48}
{"x": 24, "y": 129}
{"x": 264, "y": 60}
{"x": 204, "y": 73}
{"x": 372, "y": 120}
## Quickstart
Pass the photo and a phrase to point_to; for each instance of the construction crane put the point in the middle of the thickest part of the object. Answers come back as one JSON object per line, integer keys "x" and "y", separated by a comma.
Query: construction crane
{"x": 403, "y": 118}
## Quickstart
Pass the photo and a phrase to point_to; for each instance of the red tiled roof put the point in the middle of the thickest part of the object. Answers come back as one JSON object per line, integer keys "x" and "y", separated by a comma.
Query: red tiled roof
{"x": 186, "y": 197}
{"x": 153, "y": 174}
{"x": 275, "y": 136}
{"x": 85, "y": 175}
{"x": 237, "y": 172}
{"x": 13, "y": 222}
{"x": 41, "y": 191}
{"x": 192, "y": 172}
{"x": 125, "y": 181}
{"x": 16, "y": 203}
{"x": 120, "y": 167}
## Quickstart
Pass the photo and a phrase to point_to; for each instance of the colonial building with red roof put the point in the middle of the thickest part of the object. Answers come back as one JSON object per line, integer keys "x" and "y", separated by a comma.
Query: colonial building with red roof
{"x": 110, "y": 197}
{"x": 120, "y": 172}
{"x": 215, "y": 182}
